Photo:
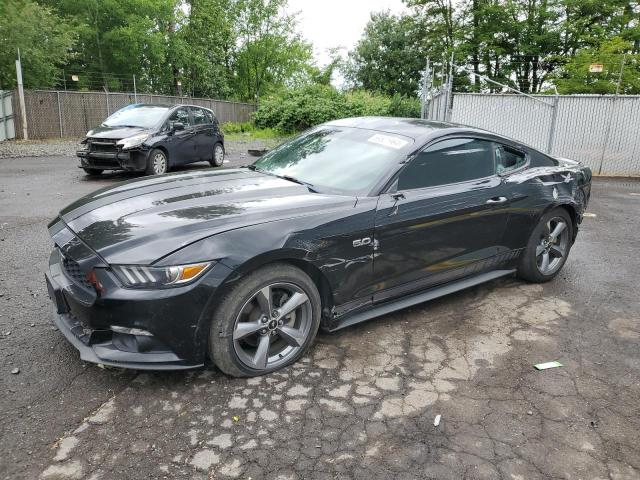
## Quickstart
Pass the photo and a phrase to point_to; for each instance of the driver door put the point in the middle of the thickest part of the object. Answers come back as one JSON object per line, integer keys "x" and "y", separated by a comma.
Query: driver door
{"x": 443, "y": 219}
{"x": 181, "y": 144}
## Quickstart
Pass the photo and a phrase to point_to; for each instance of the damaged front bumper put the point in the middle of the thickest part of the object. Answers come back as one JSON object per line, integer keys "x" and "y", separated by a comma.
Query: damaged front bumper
{"x": 143, "y": 330}
{"x": 131, "y": 160}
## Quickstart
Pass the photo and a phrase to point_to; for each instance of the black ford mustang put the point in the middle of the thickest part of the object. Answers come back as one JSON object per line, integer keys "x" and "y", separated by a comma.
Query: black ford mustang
{"x": 352, "y": 219}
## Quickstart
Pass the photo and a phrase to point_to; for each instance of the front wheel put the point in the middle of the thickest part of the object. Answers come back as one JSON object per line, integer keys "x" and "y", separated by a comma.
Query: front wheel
{"x": 268, "y": 321}
{"x": 548, "y": 247}
{"x": 157, "y": 163}
{"x": 218, "y": 155}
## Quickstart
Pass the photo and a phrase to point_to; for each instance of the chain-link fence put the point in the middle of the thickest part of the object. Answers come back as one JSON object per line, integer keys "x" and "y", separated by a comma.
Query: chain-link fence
{"x": 62, "y": 114}
{"x": 601, "y": 131}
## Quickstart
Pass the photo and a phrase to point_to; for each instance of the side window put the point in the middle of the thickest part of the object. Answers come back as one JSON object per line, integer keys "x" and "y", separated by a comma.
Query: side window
{"x": 199, "y": 116}
{"x": 538, "y": 159}
{"x": 449, "y": 161}
{"x": 508, "y": 158}
{"x": 209, "y": 116}
{"x": 180, "y": 116}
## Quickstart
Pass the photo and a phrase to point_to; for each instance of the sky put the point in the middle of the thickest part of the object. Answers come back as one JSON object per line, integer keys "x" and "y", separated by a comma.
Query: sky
{"x": 333, "y": 23}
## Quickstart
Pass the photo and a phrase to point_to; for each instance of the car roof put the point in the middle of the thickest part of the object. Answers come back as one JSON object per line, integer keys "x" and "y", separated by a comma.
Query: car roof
{"x": 169, "y": 105}
{"x": 418, "y": 129}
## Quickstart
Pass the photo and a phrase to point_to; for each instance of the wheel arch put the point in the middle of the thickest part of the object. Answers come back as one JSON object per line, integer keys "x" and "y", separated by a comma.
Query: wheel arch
{"x": 294, "y": 257}
{"x": 573, "y": 215}
{"x": 163, "y": 149}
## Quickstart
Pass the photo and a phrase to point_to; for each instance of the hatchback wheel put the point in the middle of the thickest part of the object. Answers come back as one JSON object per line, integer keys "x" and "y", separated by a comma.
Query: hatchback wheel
{"x": 218, "y": 155}
{"x": 548, "y": 247}
{"x": 157, "y": 163}
{"x": 266, "y": 322}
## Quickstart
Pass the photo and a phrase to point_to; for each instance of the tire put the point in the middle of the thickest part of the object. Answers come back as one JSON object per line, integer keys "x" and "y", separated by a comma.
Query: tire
{"x": 240, "y": 332}
{"x": 532, "y": 266}
{"x": 157, "y": 163}
{"x": 218, "y": 155}
{"x": 93, "y": 172}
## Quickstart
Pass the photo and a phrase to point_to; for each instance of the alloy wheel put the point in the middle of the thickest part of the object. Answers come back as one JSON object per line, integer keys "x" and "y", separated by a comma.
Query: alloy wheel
{"x": 553, "y": 246}
{"x": 159, "y": 163}
{"x": 272, "y": 326}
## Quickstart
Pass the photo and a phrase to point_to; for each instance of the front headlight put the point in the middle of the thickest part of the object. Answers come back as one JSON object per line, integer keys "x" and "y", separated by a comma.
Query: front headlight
{"x": 133, "y": 141}
{"x": 139, "y": 276}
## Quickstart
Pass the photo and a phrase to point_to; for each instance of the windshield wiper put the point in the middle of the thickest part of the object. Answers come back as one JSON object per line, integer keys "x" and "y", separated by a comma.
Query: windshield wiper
{"x": 284, "y": 177}
{"x": 295, "y": 180}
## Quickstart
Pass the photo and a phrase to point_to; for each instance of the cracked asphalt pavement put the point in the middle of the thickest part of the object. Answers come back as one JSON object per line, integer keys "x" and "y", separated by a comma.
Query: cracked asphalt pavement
{"x": 362, "y": 403}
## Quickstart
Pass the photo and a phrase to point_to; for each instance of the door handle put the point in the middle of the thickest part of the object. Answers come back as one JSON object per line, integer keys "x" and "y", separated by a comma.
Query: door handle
{"x": 496, "y": 200}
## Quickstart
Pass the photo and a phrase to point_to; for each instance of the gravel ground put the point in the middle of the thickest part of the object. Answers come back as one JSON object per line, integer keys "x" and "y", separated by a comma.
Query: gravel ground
{"x": 39, "y": 148}
{"x": 362, "y": 403}
{"x": 68, "y": 147}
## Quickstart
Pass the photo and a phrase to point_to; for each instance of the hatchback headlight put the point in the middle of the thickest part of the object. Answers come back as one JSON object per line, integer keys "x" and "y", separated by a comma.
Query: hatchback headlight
{"x": 140, "y": 276}
{"x": 133, "y": 141}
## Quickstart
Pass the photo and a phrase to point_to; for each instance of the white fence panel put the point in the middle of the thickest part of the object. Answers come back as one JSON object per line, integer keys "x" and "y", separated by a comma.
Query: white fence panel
{"x": 601, "y": 131}
{"x": 622, "y": 155}
{"x": 7, "y": 125}
{"x": 515, "y": 116}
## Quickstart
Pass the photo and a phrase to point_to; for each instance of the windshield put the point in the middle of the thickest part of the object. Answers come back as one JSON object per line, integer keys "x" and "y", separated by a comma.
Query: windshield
{"x": 145, "y": 116}
{"x": 349, "y": 160}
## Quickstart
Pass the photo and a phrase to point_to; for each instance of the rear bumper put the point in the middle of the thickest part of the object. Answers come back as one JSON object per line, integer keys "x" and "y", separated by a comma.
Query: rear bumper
{"x": 131, "y": 160}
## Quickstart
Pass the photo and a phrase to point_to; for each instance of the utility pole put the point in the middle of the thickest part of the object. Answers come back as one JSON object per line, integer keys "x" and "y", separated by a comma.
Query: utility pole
{"x": 624, "y": 57}
{"x": 425, "y": 80}
{"x": 135, "y": 93}
{"x": 23, "y": 110}
{"x": 449, "y": 91}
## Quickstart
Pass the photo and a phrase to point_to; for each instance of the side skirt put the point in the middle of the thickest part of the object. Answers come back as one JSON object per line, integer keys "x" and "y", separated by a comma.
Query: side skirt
{"x": 408, "y": 301}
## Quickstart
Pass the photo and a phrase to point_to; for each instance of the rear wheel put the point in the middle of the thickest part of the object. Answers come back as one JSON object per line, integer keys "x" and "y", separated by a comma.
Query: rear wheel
{"x": 268, "y": 321}
{"x": 157, "y": 163}
{"x": 218, "y": 155}
{"x": 548, "y": 247}
{"x": 93, "y": 172}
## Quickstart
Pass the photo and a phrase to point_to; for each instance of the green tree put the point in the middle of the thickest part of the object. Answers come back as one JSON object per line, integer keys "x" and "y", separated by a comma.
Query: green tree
{"x": 209, "y": 40}
{"x": 575, "y": 76}
{"x": 271, "y": 52}
{"x": 43, "y": 38}
{"x": 121, "y": 38}
{"x": 388, "y": 58}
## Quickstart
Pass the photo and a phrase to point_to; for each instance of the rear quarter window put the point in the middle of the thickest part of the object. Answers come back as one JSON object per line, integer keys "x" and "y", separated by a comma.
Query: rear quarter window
{"x": 538, "y": 159}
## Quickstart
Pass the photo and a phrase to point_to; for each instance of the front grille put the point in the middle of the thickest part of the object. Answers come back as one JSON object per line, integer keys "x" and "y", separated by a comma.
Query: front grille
{"x": 74, "y": 272}
{"x": 102, "y": 145}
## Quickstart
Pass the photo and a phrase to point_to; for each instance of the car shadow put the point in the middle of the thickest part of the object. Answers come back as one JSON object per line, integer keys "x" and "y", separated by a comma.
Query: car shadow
{"x": 121, "y": 176}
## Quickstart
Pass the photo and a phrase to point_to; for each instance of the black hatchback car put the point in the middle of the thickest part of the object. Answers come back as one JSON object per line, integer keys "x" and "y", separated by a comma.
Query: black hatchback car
{"x": 153, "y": 138}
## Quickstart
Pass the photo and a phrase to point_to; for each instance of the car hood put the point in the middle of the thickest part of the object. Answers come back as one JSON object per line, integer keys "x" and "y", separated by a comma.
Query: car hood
{"x": 141, "y": 221}
{"x": 115, "y": 132}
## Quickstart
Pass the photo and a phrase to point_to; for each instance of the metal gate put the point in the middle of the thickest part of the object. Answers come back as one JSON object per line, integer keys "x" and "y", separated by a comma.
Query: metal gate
{"x": 7, "y": 125}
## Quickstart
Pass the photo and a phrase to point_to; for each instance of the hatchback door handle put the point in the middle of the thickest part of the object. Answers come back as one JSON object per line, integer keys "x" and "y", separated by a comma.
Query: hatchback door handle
{"x": 497, "y": 200}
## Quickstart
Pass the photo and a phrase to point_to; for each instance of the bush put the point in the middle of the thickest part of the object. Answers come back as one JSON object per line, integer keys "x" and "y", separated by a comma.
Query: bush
{"x": 301, "y": 108}
{"x": 238, "y": 127}
{"x": 247, "y": 130}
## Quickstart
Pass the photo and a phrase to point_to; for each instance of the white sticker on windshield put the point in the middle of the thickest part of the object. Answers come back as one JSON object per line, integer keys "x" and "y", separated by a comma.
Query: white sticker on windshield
{"x": 388, "y": 141}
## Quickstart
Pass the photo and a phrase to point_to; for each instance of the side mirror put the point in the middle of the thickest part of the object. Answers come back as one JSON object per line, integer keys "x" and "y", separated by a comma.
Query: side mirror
{"x": 177, "y": 126}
